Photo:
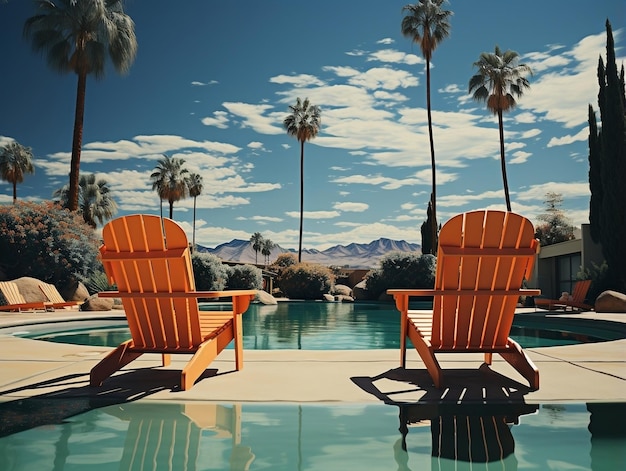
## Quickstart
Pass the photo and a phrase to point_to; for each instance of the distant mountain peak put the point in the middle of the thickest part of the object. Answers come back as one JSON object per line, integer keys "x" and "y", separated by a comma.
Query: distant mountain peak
{"x": 353, "y": 255}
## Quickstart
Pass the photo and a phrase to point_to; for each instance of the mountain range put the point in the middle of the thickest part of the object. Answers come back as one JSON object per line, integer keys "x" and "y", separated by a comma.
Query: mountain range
{"x": 363, "y": 256}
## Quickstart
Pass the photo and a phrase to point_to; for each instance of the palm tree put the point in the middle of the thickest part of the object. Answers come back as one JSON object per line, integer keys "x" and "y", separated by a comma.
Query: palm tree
{"x": 194, "y": 183}
{"x": 94, "y": 199}
{"x": 304, "y": 124}
{"x": 257, "y": 244}
{"x": 266, "y": 250}
{"x": 500, "y": 79}
{"x": 77, "y": 36}
{"x": 15, "y": 161}
{"x": 169, "y": 179}
{"x": 427, "y": 24}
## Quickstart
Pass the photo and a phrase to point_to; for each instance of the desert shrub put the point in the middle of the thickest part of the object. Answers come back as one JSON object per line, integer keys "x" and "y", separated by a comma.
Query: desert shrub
{"x": 600, "y": 282}
{"x": 98, "y": 282}
{"x": 244, "y": 277}
{"x": 306, "y": 281}
{"x": 209, "y": 272}
{"x": 47, "y": 242}
{"x": 401, "y": 270}
{"x": 282, "y": 262}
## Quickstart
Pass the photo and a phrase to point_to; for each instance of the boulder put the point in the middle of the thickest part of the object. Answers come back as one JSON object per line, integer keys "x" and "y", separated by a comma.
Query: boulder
{"x": 337, "y": 298}
{"x": 264, "y": 297}
{"x": 29, "y": 289}
{"x": 94, "y": 303}
{"x": 360, "y": 291}
{"x": 611, "y": 301}
{"x": 341, "y": 290}
{"x": 79, "y": 294}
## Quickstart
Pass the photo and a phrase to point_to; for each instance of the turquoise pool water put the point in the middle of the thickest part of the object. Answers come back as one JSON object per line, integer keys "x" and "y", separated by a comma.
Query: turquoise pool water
{"x": 326, "y": 326}
{"x": 198, "y": 436}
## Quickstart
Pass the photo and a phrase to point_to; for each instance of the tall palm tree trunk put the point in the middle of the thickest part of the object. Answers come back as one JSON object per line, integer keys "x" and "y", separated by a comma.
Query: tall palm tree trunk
{"x": 193, "y": 243}
{"x": 77, "y": 140}
{"x": 301, "y": 199}
{"x": 432, "y": 161}
{"x": 171, "y": 209}
{"x": 503, "y": 162}
{"x": 14, "y": 192}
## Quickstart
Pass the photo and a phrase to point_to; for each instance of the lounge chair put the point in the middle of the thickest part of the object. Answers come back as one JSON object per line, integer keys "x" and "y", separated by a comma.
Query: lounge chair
{"x": 148, "y": 258}
{"x": 578, "y": 299}
{"x": 50, "y": 291}
{"x": 483, "y": 257}
{"x": 16, "y": 302}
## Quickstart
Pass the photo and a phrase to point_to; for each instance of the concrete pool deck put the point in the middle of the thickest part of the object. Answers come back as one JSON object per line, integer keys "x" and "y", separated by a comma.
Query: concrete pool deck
{"x": 31, "y": 369}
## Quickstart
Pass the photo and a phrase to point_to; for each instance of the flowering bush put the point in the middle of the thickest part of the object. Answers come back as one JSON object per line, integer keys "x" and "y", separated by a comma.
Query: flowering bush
{"x": 47, "y": 242}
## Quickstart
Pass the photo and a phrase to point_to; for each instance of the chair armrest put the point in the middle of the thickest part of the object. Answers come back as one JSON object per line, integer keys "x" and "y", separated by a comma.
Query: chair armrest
{"x": 182, "y": 294}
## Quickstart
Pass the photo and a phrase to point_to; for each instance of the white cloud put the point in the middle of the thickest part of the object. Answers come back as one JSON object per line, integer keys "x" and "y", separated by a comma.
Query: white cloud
{"x": 394, "y": 56}
{"x": 582, "y": 135}
{"x": 300, "y": 80}
{"x": 219, "y": 120}
{"x": 255, "y": 117}
{"x": 351, "y": 207}
{"x": 314, "y": 214}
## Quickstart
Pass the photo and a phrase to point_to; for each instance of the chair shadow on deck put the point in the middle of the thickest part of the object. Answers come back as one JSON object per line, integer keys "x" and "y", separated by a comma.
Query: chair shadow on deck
{"x": 469, "y": 419}
{"x": 53, "y": 401}
{"x": 168, "y": 433}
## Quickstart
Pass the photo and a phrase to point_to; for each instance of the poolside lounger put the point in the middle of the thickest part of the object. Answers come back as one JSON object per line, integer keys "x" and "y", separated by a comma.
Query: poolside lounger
{"x": 16, "y": 302}
{"x": 50, "y": 291}
{"x": 148, "y": 258}
{"x": 578, "y": 299}
{"x": 483, "y": 257}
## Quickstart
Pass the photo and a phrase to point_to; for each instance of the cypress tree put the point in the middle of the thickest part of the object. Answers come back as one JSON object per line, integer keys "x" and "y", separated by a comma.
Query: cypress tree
{"x": 611, "y": 148}
{"x": 428, "y": 246}
{"x": 595, "y": 180}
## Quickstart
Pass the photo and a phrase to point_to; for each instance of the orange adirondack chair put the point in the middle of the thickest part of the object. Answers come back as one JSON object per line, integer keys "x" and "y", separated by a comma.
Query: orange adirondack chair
{"x": 578, "y": 299}
{"x": 148, "y": 258}
{"x": 482, "y": 260}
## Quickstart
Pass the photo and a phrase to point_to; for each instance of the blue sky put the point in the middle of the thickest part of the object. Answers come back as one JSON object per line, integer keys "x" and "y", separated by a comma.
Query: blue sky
{"x": 213, "y": 80}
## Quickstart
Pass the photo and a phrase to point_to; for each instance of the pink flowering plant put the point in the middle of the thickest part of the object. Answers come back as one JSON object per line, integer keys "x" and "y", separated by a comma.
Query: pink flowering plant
{"x": 47, "y": 242}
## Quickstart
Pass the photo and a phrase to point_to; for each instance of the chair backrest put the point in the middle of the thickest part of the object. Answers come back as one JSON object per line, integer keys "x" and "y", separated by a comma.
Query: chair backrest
{"x": 580, "y": 291}
{"x": 11, "y": 293}
{"x": 143, "y": 255}
{"x": 483, "y": 258}
{"x": 50, "y": 291}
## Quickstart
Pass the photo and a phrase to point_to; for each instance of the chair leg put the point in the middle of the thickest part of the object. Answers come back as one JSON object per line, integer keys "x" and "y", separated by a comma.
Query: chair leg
{"x": 427, "y": 355}
{"x": 114, "y": 361}
{"x": 205, "y": 354}
{"x": 518, "y": 359}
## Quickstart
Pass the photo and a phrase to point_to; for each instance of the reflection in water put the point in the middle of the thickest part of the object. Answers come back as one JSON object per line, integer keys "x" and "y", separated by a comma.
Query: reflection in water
{"x": 170, "y": 434}
{"x": 464, "y": 434}
{"x": 149, "y": 435}
{"x": 309, "y": 325}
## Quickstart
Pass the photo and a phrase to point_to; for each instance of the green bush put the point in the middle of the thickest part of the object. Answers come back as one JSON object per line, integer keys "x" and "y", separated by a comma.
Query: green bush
{"x": 47, "y": 242}
{"x": 209, "y": 272}
{"x": 401, "y": 270}
{"x": 306, "y": 281}
{"x": 244, "y": 277}
{"x": 600, "y": 282}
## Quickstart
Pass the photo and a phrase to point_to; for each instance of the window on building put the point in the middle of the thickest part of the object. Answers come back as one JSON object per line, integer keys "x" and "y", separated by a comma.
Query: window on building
{"x": 568, "y": 267}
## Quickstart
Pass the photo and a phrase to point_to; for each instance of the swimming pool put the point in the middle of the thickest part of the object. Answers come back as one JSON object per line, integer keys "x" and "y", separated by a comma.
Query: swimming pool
{"x": 330, "y": 326}
{"x": 149, "y": 435}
